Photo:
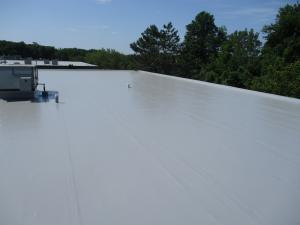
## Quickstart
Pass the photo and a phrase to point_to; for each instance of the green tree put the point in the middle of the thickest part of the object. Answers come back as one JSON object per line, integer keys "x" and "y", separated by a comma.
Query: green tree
{"x": 201, "y": 43}
{"x": 147, "y": 49}
{"x": 280, "y": 60}
{"x": 71, "y": 54}
{"x": 156, "y": 50}
{"x": 283, "y": 81}
{"x": 169, "y": 49}
{"x": 108, "y": 59}
{"x": 283, "y": 37}
{"x": 238, "y": 60}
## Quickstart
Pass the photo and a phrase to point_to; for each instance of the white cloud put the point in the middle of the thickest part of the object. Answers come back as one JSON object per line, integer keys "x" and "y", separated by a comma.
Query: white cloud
{"x": 104, "y": 1}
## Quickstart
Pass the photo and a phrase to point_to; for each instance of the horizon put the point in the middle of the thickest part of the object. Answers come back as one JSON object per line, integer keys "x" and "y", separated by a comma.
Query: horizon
{"x": 89, "y": 24}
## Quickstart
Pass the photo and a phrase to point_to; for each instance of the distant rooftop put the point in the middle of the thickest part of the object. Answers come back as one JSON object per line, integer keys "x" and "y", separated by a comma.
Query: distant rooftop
{"x": 41, "y": 63}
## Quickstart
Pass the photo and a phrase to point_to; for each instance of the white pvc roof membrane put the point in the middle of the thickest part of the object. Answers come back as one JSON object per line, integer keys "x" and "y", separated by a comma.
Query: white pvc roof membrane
{"x": 167, "y": 151}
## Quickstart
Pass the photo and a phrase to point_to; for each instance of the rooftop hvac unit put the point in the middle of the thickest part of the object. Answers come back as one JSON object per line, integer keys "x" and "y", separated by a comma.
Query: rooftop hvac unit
{"x": 18, "y": 81}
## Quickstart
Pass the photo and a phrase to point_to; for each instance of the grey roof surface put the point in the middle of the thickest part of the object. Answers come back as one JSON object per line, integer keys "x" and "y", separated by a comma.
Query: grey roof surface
{"x": 60, "y": 63}
{"x": 167, "y": 151}
{"x": 16, "y": 65}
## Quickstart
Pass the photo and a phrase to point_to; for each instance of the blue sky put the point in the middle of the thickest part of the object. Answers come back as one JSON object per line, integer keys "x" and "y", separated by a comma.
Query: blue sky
{"x": 117, "y": 23}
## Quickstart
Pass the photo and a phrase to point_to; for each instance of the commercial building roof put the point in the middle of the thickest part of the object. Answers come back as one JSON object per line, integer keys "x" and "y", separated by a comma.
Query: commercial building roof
{"x": 41, "y": 63}
{"x": 132, "y": 148}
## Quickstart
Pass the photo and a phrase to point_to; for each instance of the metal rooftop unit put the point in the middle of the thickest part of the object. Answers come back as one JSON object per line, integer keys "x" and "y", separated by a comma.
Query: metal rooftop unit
{"x": 18, "y": 81}
{"x": 132, "y": 148}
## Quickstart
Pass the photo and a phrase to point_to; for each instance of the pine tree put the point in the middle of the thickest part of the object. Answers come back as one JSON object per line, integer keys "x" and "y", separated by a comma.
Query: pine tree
{"x": 201, "y": 43}
{"x": 156, "y": 50}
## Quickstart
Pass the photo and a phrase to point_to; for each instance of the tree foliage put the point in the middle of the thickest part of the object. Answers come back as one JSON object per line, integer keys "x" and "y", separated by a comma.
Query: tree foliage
{"x": 201, "y": 43}
{"x": 157, "y": 50}
{"x": 22, "y": 50}
{"x": 237, "y": 62}
{"x": 280, "y": 57}
{"x": 108, "y": 59}
{"x": 283, "y": 37}
{"x": 282, "y": 81}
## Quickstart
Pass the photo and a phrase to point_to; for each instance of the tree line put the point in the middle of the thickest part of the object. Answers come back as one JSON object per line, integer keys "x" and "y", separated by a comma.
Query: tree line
{"x": 207, "y": 52}
{"x": 238, "y": 59}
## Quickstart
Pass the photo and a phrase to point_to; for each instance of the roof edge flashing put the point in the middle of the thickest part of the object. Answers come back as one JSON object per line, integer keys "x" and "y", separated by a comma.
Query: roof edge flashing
{"x": 244, "y": 91}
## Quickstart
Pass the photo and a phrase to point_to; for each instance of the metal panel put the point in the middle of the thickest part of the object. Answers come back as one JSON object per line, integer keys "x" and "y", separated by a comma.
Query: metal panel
{"x": 7, "y": 79}
{"x": 11, "y": 77}
{"x": 25, "y": 84}
{"x": 22, "y": 71}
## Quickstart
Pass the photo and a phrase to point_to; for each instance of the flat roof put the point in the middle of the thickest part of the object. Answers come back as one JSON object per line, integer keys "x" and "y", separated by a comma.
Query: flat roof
{"x": 42, "y": 63}
{"x": 16, "y": 65}
{"x": 167, "y": 151}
